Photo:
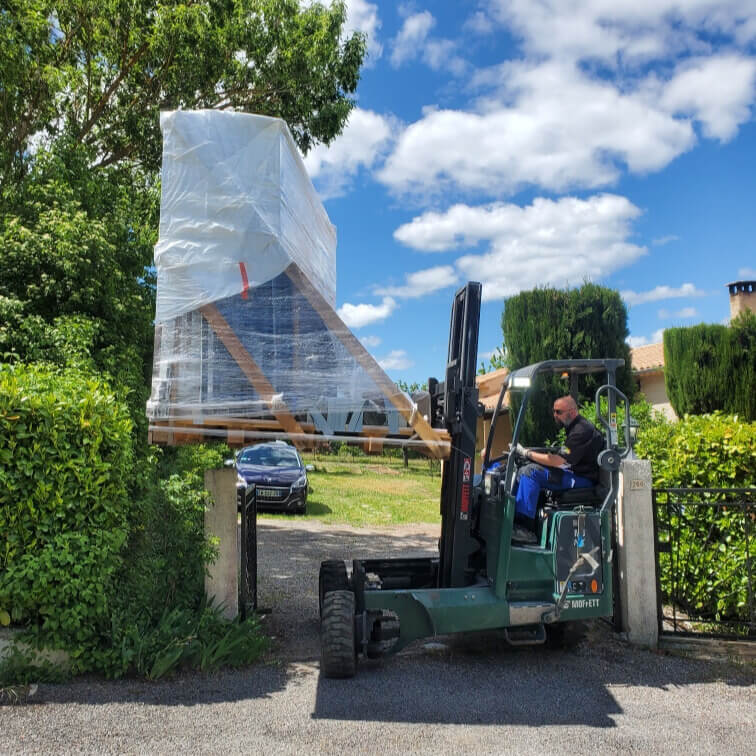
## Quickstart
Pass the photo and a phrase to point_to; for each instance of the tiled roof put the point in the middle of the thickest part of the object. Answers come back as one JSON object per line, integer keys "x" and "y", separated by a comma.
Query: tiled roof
{"x": 649, "y": 357}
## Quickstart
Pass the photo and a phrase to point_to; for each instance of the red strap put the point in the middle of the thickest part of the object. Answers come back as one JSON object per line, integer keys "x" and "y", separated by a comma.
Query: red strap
{"x": 245, "y": 281}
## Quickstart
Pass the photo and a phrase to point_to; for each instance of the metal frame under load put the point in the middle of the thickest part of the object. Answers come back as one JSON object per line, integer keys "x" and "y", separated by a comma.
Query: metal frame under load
{"x": 454, "y": 403}
{"x": 460, "y": 413}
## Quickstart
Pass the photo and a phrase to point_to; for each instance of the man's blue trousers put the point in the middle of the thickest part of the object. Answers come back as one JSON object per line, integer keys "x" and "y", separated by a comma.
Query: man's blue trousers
{"x": 532, "y": 478}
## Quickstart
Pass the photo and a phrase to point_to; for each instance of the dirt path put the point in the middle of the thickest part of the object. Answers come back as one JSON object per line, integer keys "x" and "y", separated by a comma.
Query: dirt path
{"x": 289, "y": 557}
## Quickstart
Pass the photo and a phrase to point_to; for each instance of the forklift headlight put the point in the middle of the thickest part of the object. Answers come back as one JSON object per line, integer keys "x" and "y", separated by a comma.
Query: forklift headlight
{"x": 488, "y": 483}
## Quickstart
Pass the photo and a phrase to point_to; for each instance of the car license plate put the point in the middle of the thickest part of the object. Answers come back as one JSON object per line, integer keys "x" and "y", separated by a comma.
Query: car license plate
{"x": 268, "y": 493}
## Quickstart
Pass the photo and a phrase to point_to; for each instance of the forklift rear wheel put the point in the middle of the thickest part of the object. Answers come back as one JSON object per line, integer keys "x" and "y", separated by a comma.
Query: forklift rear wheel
{"x": 332, "y": 577}
{"x": 338, "y": 649}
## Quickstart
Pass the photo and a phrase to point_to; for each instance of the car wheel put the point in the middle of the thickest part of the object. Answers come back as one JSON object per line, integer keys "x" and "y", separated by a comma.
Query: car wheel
{"x": 338, "y": 649}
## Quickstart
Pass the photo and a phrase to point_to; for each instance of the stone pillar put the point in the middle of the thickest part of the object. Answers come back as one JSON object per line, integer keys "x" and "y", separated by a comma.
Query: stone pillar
{"x": 222, "y": 580}
{"x": 636, "y": 557}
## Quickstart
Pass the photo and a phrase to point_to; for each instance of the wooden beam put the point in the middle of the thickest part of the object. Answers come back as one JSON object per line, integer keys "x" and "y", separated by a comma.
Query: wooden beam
{"x": 249, "y": 367}
{"x": 339, "y": 329}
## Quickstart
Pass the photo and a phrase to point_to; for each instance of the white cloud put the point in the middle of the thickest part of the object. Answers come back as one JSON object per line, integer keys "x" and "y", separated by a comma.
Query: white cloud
{"x": 661, "y": 292}
{"x": 357, "y": 316}
{"x": 370, "y": 341}
{"x": 685, "y": 314}
{"x": 396, "y": 360}
{"x": 413, "y": 42}
{"x": 479, "y": 23}
{"x": 717, "y": 92}
{"x": 621, "y": 34}
{"x": 422, "y": 282}
{"x": 407, "y": 43}
{"x": 639, "y": 341}
{"x": 747, "y": 274}
{"x": 363, "y": 16}
{"x": 595, "y": 91}
{"x": 664, "y": 240}
{"x": 551, "y": 242}
{"x": 521, "y": 135}
{"x": 359, "y": 146}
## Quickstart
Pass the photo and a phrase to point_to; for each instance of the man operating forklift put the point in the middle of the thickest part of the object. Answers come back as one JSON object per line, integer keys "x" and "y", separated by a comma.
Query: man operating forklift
{"x": 574, "y": 466}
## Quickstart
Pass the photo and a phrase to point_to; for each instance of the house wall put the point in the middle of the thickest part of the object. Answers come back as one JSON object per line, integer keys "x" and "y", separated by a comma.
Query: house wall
{"x": 653, "y": 388}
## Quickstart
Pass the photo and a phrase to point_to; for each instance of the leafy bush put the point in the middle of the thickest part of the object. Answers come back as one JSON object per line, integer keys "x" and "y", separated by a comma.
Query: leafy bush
{"x": 712, "y": 451}
{"x": 118, "y": 585}
{"x": 65, "y": 458}
{"x": 167, "y": 550}
{"x": 708, "y": 577}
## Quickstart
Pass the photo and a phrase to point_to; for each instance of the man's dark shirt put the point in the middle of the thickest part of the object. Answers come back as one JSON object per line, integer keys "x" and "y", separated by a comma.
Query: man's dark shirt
{"x": 582, "y": 447}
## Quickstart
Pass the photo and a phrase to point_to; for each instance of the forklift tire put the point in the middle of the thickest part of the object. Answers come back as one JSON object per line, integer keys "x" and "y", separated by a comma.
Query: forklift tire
{"x": 338, "y": 649}
{"x": 332, "y": 577}
{"x": 562, "y": 635}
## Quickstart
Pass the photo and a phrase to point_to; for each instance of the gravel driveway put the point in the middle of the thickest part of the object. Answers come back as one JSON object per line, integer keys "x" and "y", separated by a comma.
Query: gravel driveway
{"x": 472, "y": 695}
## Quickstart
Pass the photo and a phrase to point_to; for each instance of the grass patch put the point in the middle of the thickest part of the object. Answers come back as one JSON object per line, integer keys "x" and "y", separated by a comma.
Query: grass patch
{"x": 372, "y": 491}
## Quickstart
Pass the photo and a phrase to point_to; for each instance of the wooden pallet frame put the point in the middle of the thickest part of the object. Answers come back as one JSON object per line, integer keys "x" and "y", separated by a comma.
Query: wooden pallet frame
{"x": 435, "y": 442}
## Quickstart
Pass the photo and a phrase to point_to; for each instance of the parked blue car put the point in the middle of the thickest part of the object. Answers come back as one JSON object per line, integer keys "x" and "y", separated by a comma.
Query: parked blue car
{"x": 279, "y": 475}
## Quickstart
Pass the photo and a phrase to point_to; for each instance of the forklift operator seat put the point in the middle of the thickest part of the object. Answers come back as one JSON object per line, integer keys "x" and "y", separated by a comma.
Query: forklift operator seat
{"x": 573, "y": 497}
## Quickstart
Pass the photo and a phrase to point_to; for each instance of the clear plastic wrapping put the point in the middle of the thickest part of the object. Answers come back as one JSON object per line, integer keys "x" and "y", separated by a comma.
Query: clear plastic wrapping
{"x": 246, "y": 337}
{"x": 237, "y": 207}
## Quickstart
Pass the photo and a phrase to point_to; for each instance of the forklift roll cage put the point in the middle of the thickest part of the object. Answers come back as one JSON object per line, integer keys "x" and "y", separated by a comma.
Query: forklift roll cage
{"x": 482, "y": 578}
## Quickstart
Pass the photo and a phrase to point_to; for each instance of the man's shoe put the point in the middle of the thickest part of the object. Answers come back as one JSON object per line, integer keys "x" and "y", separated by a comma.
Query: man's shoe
{"x": 523, "y": 535}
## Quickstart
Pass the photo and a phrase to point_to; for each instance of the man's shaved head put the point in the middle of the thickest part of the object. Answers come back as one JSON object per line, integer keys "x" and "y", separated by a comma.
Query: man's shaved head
{"x": 565, "y": 410}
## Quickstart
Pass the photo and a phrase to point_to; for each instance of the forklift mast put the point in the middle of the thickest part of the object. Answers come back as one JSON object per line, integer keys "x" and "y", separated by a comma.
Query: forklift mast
{"x": 454, "y": 404}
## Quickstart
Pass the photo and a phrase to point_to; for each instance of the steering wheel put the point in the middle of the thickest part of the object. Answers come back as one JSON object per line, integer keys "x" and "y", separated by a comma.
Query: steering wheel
{"x": 500, "y": 458}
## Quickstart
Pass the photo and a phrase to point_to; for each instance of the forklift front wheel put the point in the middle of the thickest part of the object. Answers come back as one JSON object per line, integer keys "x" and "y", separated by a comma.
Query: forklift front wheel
{"x": 332, "y": 577}
{"x": 338, "y": 648}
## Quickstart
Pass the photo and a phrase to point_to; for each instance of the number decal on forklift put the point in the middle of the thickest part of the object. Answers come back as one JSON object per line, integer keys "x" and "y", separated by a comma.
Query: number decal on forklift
{"x": 464, "y": 507}
{"x": 587, "y": 603}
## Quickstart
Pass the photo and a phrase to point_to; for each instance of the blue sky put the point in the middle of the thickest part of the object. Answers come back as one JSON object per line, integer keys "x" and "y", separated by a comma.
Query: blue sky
{"x": 542, "y": 142}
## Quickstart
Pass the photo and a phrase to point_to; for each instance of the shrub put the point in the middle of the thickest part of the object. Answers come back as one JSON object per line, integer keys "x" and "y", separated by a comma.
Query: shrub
{"x": 705, "y": 451}
{"x": 65, "y": 458}
{"x": 101, "y": 558}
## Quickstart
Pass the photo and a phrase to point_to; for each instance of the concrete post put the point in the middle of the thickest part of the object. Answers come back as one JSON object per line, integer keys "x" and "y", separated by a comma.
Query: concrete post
{"x": 222, "y": 580}
{"x": 637, "y": 566}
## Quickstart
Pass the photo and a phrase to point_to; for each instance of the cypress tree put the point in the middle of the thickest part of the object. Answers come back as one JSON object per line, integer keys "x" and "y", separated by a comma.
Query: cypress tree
{"x": 712, "y": 367}
{"x": 559, "y": 324}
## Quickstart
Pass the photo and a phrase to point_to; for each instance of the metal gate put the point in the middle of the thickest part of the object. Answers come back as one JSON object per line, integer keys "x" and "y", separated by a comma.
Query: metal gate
{"x": 705, "y": 561}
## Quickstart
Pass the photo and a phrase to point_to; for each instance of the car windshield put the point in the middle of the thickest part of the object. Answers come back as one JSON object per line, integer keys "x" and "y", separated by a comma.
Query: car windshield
{"x": 270, "y": 456}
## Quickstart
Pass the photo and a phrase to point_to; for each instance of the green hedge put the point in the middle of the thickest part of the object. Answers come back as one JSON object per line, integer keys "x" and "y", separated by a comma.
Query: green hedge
{"x": 103, "y": 557}
{"x": 709, "y": 577}
{"x": 712, "y": 367}
{"x": 65, "y": 459}
{"x": 555, "y": 324}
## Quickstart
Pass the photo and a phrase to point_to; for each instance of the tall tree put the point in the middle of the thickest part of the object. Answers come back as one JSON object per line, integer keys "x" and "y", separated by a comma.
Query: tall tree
{"x": 99, "y": 71}
{"x": 81, "y": 86}
{"x": 554, "y": 324}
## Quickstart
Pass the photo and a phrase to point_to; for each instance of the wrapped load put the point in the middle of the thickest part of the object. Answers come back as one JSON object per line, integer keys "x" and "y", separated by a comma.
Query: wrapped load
{"x": 247, "y": 341}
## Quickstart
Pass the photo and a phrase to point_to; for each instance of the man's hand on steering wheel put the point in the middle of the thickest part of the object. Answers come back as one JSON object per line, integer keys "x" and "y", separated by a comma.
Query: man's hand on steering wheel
{"x": 520, "y": 451}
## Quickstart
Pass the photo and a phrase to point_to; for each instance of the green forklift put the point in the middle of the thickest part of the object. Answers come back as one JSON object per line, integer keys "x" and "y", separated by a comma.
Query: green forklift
{"x": 483, "y": 578}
